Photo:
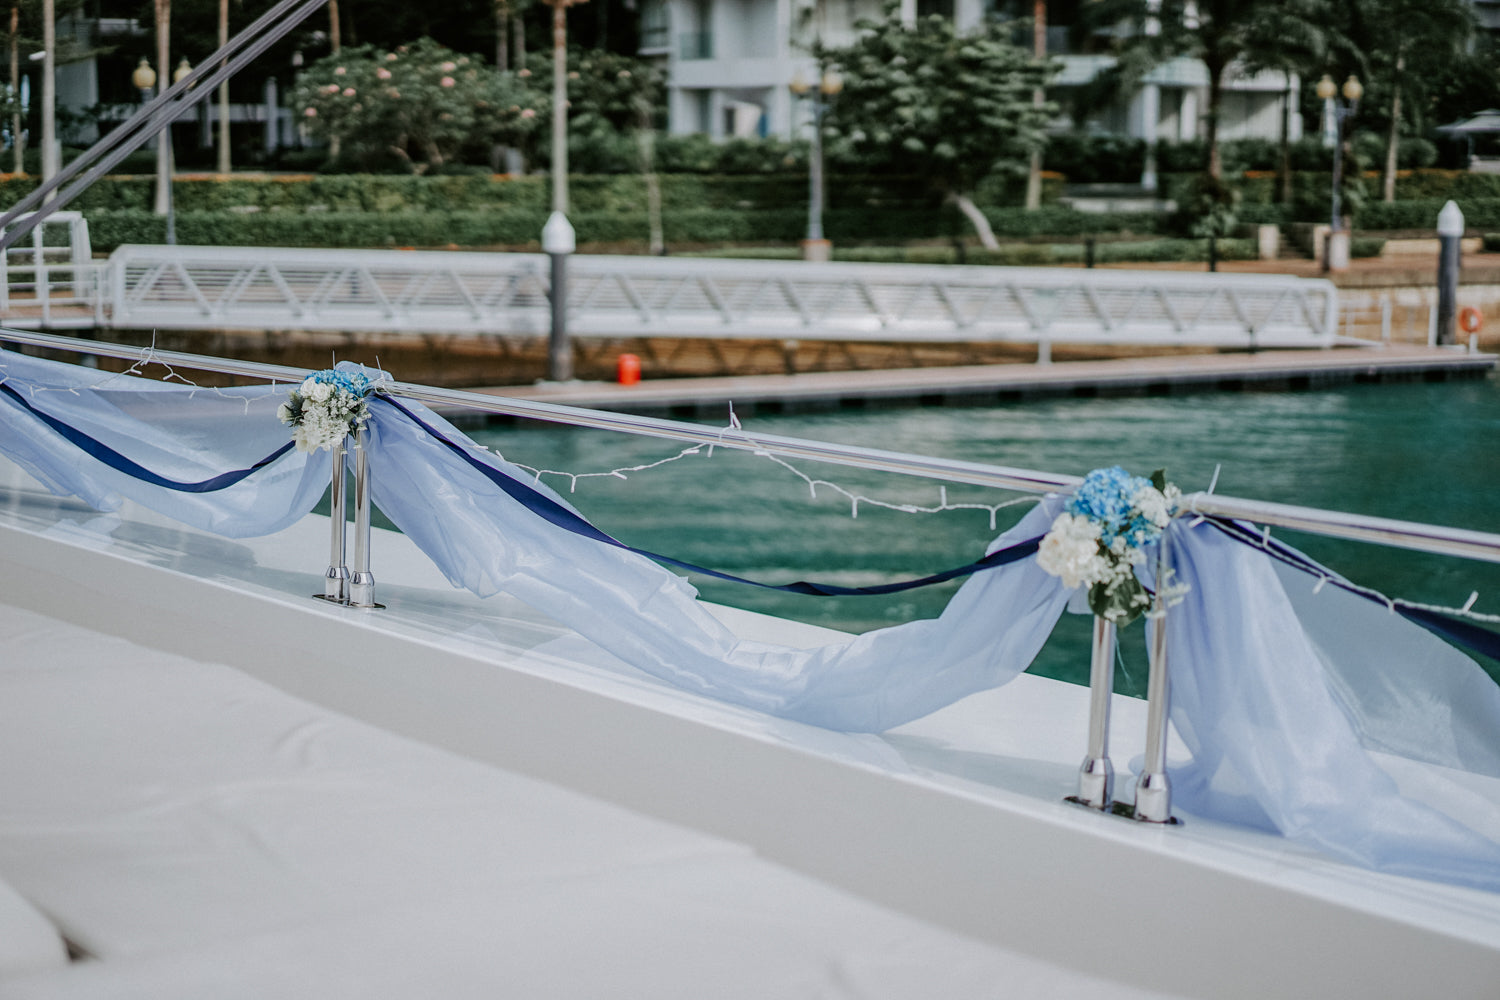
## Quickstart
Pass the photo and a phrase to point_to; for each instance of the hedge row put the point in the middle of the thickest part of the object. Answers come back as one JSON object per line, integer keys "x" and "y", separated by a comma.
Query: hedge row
{"x": 1492, "y": 241}
{"x": 589, "y": 193}
{"x": 1120, "y": 251}
{"x": 427, "y": 229}
{"x": 522, "y": 227}
{"x": 1422, "y": 214}
{"x": 626, "y": 193}
{"x": 1115, "y": 159}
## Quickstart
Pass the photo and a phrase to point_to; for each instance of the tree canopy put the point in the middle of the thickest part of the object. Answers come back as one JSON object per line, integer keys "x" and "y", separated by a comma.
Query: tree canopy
{"x": 951, "y": 107}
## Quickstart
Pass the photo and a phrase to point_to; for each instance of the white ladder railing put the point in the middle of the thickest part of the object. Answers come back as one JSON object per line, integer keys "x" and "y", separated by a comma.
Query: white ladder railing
{"x": 52, "y": 281}
{"x": 620, "y": 296}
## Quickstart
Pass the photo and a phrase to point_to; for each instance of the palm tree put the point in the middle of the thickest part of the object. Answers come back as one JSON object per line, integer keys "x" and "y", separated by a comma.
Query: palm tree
{"x": 1407, "y": 44}
{"x": 17, "y": 145}
{"x": 223, "y": 164}
{"x": 163, "y": 11}
{"x": 1292, "y": 36}
{"x": 1218, "y": 33}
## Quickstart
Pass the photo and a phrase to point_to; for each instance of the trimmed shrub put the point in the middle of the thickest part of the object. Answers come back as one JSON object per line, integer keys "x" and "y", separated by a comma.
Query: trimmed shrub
{"x": 1124, "y": 251}
{"x": 1422, "y": 214}
{"x": 1492, "y": 242}
{"x": 1095, "y": 159}
{"x": 1366, "y": 246}
{"x": 1417, "y": 184}
{"x": 1060, "y": 221}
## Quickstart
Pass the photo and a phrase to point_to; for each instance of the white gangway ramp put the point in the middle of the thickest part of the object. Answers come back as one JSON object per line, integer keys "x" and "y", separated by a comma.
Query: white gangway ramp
{"x": 164, "y": 287}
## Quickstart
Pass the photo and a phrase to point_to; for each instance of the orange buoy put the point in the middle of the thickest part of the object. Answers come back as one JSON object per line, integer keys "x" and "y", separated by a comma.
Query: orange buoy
{"x": 628, "y": 369}
{"x": 1471, "y": 319}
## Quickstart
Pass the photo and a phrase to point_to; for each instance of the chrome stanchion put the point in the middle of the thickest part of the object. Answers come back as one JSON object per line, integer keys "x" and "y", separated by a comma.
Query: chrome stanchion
{"x": 336, "y": 580}
{"x": 1153, "y": 791}
{"x": 362, "y": 583}
{"x": 1096, "y": 777}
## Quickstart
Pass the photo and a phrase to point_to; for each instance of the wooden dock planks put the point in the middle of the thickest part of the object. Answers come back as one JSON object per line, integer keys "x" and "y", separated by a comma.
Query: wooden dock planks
{"x": 977, "y": 384}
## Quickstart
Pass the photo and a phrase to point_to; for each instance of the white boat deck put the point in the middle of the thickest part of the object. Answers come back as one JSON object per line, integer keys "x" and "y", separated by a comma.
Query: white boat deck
{"x": 974, "y": 878}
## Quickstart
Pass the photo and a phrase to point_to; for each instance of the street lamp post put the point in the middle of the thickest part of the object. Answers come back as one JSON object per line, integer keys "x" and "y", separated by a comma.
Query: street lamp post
{"x": 815, "y": 247}
{"x": 1336, "y": 253}
{"x": 558, "y": 239}
{"x": 178, "y": 75}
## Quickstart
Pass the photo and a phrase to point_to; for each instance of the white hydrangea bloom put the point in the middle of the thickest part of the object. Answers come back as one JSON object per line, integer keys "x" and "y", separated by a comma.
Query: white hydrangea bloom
{"x": 1153, "y": 505}
{"x": 1070, "y": 550}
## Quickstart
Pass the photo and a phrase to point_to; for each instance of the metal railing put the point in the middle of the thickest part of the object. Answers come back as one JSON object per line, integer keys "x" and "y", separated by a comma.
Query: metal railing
{"x": 1095, "y": 789}
{"x": 621, "y": 296}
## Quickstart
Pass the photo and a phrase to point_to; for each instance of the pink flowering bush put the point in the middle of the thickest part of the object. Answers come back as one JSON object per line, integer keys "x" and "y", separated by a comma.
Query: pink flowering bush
{"x": 421, "y": 104}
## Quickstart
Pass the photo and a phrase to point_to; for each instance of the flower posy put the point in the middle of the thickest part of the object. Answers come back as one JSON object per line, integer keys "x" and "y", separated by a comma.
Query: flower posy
{"x": 1097, "y": 541}
{"x": 326, "y": 407}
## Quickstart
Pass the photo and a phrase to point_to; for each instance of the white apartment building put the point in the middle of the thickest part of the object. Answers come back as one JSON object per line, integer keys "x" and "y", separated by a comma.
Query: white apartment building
{"x": 730, "y": 64}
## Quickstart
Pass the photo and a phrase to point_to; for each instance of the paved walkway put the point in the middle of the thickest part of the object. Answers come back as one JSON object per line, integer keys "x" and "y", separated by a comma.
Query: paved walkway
{"x": 978, "y": 384}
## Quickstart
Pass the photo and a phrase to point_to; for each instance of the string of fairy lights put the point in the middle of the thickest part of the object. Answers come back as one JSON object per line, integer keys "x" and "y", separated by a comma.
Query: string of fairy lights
{"x": 735, "y": 431}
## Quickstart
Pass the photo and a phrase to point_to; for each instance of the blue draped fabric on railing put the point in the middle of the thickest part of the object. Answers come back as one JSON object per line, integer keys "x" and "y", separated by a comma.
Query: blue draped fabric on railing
{"x": 1285, "y": 690}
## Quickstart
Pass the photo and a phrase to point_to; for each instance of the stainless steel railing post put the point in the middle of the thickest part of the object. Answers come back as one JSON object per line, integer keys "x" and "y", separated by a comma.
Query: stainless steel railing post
{"x": 1153, "y": 790}
{"x": 336, "y": 580}
{"x": 1096, "y": 776}
{"x": 362, "y": 583}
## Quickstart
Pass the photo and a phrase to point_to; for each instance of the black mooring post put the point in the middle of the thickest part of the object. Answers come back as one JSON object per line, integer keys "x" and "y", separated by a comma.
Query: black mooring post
{"x": 1450, "y": 227}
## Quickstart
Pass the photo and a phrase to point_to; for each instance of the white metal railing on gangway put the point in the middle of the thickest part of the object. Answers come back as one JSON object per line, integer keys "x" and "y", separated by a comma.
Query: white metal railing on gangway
{"x": 621, "y": 296}
{"x": 1153, "y": 797}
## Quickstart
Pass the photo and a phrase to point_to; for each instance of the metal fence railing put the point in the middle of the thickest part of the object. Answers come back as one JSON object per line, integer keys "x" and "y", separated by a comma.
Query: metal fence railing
{"x": 167, "y": 287}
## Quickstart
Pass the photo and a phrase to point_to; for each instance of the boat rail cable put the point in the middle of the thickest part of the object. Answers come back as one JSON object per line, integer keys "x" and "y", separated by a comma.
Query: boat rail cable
{"x": 1478, "y": 545}
{"x": 354, "y": 587}
{"x": 153, "y": 116}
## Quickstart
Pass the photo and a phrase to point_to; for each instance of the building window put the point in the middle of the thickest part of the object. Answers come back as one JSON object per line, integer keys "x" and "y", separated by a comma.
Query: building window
{"x": 656, "y": 33}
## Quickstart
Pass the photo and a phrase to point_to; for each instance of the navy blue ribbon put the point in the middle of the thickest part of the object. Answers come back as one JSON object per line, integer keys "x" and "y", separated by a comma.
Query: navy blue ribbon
{"x": 1454, "y": 629}
{"x": 559, "y": 515}
{"x": 120, "y": 463}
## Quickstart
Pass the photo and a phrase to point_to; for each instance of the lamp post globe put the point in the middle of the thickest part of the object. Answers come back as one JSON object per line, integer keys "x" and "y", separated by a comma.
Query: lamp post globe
{"x": 184, "y": 68}
{"x": 144, "y": 78}
{"x": 1336, "y": 253}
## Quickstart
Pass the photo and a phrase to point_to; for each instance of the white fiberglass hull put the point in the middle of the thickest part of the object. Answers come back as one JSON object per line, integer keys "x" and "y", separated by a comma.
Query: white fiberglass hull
{"x": 956, "y": 819}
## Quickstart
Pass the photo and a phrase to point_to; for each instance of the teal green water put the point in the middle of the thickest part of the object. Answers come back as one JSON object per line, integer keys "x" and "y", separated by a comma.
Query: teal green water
{"x": 1423, "y": 452}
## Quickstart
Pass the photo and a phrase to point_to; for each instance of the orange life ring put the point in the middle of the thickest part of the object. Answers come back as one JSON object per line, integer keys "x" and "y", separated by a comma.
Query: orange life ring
{"x": 1470, "y": 319}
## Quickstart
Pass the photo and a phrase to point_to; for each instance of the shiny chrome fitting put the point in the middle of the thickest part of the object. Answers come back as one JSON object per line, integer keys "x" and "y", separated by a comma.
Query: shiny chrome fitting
{"x": 1153, "y": 798}
{"x": 1096, "y": 783}
{"x": 1096, "y": 776}
{"x": 362, "y": 591}
{"x": 336, "y": 584}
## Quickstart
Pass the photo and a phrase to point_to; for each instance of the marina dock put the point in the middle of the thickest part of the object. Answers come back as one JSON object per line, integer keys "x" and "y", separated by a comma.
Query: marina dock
{"x": 972, "y": 385}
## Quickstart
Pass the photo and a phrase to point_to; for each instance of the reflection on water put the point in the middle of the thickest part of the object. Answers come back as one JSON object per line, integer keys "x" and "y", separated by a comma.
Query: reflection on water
{"x": 1424, "y": 452}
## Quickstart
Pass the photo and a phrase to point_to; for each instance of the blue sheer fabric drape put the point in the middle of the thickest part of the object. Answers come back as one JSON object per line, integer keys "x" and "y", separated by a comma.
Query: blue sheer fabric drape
{"x": 177, "y": 431}
{"x": 1288, "y": 695}
{"x": 1280, "y": 694}
{"x": 484, "y": 540}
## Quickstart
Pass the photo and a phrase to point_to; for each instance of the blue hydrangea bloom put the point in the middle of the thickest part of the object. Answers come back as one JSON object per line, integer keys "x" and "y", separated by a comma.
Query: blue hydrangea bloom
{"x": 357, "y": 384}
{"x": 1106, "y": 496}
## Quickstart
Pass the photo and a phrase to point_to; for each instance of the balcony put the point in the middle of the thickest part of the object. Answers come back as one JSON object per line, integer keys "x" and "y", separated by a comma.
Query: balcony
{"x": 695, "y": 45}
